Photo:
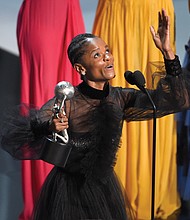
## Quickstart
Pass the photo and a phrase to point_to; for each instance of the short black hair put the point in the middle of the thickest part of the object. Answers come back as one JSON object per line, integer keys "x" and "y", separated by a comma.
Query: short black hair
{"x": 76, "y": 48}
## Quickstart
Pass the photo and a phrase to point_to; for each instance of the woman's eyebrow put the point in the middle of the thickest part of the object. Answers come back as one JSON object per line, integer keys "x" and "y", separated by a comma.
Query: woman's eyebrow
{"x": 97, "y": 48}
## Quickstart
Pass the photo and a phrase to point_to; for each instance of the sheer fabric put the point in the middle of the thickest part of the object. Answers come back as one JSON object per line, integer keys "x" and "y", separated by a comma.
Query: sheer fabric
{"x": 124, "y": 25}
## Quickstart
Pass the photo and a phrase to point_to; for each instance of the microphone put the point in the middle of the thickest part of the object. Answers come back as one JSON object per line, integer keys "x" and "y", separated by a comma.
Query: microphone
{"x": 129, "y": 77}
{"x": 136, "y": 78}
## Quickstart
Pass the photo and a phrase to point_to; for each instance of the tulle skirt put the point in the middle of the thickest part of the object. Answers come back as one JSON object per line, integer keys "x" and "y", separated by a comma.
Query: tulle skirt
{"x": 66, "y": 196}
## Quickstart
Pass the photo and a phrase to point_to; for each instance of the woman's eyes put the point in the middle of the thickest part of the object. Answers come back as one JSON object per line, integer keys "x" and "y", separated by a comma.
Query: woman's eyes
{"x": 99, "y": 54}
{"x": 107, "y": 51}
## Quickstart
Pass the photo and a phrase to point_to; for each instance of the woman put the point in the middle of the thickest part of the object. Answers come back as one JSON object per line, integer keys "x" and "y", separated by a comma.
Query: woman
{"x": 87, "y": 187}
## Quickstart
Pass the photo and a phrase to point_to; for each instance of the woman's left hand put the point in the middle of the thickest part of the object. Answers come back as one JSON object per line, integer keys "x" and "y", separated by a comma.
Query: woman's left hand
{"x": 162, "y": 36}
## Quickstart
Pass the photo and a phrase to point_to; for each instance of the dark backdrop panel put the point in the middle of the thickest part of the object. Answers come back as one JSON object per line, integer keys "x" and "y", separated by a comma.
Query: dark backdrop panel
{"x": 10, "y": 169}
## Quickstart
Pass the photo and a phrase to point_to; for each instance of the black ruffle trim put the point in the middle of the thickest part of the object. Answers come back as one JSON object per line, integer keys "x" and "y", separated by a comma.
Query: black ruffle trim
{"x": 173, "y": 67}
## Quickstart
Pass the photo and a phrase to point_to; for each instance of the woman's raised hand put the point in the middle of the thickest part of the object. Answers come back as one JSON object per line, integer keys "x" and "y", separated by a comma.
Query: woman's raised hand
{"x": 162, "y": 36}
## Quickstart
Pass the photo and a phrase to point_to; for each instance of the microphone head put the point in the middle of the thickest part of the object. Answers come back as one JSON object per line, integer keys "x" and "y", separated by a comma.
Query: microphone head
{"x": 64, "y": 89}
{"x": 136, "y": 78}
{"x": 139, "y": 78}
{"x": 129, "y": 77}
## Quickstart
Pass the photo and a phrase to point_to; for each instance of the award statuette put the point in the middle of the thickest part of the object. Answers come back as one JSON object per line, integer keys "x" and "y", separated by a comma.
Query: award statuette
{"x": 56, "y": 150}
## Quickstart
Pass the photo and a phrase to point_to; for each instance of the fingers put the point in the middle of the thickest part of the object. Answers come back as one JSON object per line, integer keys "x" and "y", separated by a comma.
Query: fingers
{"x": 159, "y": 20}
{"x": 59, "y": 115}
{"x": 152, "y": 30}
{"x": 163, "y": 24}
{"x": 59, "y": 123}
{"x": 155, "y": 35}
{"x": 163, "y": 19}
{"x": 61, "y": 120}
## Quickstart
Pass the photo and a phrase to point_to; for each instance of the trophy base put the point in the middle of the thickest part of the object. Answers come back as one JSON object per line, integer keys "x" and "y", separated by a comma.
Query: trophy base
{"x": 55, "y": 153}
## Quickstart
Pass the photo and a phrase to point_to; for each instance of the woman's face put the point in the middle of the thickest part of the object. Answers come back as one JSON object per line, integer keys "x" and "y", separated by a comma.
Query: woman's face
{"x": 98, "y": 62}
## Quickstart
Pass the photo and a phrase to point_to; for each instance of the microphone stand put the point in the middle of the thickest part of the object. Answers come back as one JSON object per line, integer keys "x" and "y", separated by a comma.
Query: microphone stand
{"x": 153, "y": 154}
{"x": 137, "y": 79}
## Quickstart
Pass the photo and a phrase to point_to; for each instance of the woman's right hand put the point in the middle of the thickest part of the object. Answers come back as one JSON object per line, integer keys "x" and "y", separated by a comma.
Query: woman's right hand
{"x": 59, "y": 123}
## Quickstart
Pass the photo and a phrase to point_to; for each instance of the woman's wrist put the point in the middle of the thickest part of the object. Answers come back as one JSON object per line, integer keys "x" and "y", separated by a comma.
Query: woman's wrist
{"x": 168, "y": 54}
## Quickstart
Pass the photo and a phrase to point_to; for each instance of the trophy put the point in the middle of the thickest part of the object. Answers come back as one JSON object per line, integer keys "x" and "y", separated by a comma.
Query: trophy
{"x": 56, "y": 150}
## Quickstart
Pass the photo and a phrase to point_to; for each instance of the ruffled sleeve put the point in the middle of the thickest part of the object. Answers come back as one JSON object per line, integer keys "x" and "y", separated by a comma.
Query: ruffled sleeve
{"x": 23, "y": 130}
{"x": 171, "y": 95}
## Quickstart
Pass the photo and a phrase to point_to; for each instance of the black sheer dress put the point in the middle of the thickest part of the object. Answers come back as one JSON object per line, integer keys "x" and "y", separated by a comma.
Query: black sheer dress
{"x": 87, "y": 187}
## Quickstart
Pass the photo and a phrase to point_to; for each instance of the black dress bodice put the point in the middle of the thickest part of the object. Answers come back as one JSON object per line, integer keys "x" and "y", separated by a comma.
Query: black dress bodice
{"x": 94, "y": 131}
